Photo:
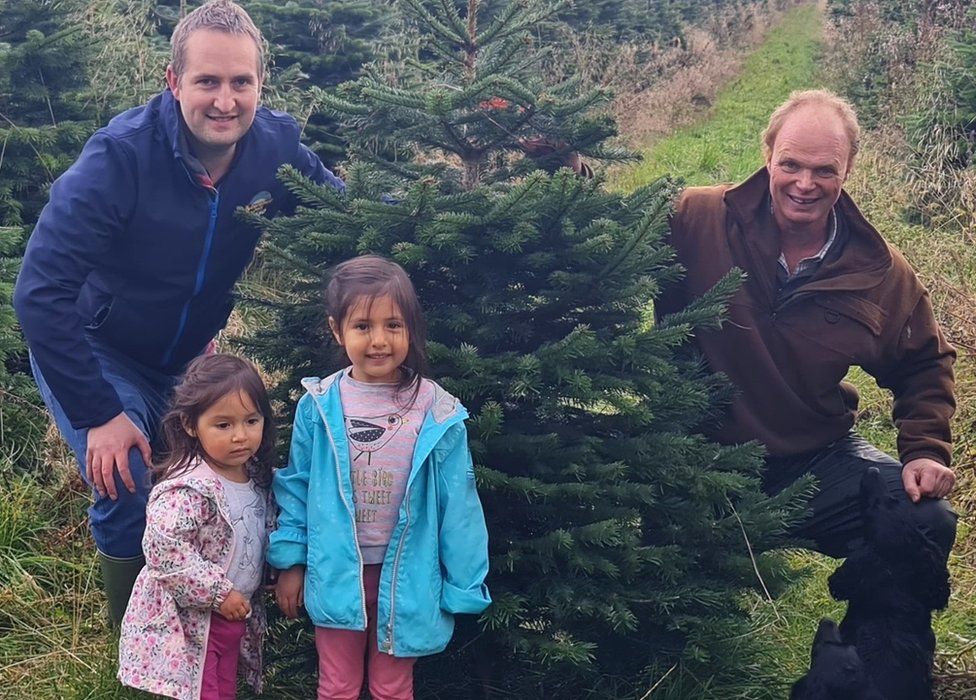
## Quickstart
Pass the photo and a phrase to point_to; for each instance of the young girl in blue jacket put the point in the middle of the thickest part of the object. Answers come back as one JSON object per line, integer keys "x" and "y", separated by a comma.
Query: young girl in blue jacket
{"x": 381, "y": 536}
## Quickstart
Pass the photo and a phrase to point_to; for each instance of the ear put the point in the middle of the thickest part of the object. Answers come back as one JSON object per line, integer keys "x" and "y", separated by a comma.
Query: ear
{"x": 334, "y": 327}
{"x": 173, "y": 81}
{"x": 190, "y": 430}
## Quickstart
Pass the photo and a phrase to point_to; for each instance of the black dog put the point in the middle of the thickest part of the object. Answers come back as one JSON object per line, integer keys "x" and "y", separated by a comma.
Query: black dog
{"x": 836, "y": 670}
{"x": 892, "y": 584}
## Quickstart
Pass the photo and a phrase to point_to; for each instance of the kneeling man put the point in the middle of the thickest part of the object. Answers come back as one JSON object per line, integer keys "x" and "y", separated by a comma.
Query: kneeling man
{"x": 823, "y": 292}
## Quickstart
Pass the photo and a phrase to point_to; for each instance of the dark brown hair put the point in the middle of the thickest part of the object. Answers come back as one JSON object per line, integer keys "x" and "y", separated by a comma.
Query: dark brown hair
{"x": 373, "y": 276}
{"x": 208, "y": 379}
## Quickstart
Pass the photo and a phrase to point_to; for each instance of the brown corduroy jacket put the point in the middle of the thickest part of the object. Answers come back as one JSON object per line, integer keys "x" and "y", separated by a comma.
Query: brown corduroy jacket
{"x": 787, "y": 357}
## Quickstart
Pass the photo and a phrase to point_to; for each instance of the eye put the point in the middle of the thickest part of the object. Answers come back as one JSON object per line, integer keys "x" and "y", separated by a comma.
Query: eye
{"x": 206, "y": 82}
{"x": 394, "y": 325}
{"x": 826, "y": 172}
{"x": 789, "y": 166}
{"x": 241, "y": 82}
{"x": 253, "y": 421}
{"x": 361, "y": 326}
{"x": 222, "y": 425}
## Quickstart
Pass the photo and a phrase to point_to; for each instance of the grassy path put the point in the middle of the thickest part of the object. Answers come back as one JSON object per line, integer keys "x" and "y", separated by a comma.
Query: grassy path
{"x": 726, "y": 147}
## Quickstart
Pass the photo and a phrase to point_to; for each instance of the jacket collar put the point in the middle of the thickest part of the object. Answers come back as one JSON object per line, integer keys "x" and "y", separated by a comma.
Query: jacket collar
{"x": 174, "y": 129}
{"x": 863, "y": 263}
{"x": 445, "y": 405}
{"x": 199, "y": 477}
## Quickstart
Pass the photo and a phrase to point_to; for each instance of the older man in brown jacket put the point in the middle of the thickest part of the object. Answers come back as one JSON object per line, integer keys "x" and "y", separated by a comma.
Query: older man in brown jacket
{"x": 823, "y": 292}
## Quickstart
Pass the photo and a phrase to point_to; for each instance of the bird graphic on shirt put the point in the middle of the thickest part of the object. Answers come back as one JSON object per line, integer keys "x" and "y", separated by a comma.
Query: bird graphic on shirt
{"x": 368, "y": 435}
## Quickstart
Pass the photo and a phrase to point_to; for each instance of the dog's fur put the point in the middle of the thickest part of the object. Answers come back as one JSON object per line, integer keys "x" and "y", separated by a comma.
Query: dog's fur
{"x": 836, "y": 670}
{"x": 892, "y": 584}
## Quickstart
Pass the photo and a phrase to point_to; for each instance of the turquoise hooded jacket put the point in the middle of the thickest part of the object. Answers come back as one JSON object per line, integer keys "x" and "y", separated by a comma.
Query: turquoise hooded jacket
{"x": 437, "y": 558}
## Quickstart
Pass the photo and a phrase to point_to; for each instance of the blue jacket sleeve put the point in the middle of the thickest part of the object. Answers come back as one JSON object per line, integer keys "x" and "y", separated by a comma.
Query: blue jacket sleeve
{"x": 309, "y": 165}
{"x": 289, "y": 542}
{"x": 89, "y": 207}
{"x": 463, "y": 535}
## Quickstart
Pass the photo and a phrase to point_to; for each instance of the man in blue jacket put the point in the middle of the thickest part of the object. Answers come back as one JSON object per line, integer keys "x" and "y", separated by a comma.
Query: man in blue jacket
{"x": 129, "y": 271}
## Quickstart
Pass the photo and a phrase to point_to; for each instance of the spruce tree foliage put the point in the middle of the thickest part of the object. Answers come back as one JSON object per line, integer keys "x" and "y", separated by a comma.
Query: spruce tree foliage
{"x": 620, "y": 537}
{"x": 43, "y": 124}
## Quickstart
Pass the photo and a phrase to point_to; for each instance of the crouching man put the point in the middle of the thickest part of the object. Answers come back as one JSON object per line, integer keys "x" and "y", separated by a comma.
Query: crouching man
{"x": 824, "y": 292}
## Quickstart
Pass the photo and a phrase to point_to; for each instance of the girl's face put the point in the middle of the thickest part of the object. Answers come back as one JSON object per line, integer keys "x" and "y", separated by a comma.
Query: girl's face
{"x": 375, "y": 338}
{"x": 230, "y": 433}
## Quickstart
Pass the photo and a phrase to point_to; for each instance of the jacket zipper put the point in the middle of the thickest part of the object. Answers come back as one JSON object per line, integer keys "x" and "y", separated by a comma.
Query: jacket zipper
{"x": 352, "y": 513}
{"x": 201, "y": 274}
{"x": 396, "y": 559}
{"x": 393, "y": 582}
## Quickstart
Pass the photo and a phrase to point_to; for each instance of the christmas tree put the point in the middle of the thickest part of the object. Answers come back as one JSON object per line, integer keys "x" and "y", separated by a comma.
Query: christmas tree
{"x": 621, "y": 539}
{"x": 43, "y": 124}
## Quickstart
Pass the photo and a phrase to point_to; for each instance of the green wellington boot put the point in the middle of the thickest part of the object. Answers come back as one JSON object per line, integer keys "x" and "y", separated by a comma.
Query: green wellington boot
{"x": 118, "y": 576}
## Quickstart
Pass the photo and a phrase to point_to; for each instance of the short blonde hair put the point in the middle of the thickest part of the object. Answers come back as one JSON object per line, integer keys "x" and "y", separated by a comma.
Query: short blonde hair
{"x": 820, "y": 98}
{"x": 218, "y": 16}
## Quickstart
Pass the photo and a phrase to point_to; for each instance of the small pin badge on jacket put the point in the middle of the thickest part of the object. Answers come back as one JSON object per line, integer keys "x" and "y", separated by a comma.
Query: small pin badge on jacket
{"x": 259, "y": 203}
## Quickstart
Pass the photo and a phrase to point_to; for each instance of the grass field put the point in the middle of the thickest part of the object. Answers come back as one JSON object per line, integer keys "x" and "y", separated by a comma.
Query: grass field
{"x": 726, "y": 148}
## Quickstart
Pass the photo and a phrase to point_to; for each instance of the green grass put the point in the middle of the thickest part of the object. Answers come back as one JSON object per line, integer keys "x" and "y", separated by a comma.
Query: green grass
{"x": 726, "y": 147}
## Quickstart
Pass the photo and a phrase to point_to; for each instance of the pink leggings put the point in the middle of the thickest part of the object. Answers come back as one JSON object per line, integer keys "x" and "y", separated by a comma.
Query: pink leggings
{"x": 343, "y": 656}
{"x": 220, "y": 665}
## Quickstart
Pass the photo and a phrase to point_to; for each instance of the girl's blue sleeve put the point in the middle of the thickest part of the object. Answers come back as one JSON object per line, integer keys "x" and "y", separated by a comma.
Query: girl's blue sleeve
{"x": 463, "y": 532}
{"x": 289, "y": 542}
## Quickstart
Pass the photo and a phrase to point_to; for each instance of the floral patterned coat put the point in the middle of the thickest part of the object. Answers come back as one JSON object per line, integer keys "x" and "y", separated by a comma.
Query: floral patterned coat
{"x": 188, "y": 543}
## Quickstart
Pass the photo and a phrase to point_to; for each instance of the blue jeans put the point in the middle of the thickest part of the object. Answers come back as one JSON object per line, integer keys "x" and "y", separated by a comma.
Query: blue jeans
{"x": 117, "y": 526}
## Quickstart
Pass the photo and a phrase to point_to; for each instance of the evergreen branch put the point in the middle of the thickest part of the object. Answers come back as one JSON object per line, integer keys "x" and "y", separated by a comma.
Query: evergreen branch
{"x": 752, "y": 558}
{"x": 708, "y": 310}
{"x": 437, "y": 27}
{"x": 336, "y": 105}
{"x": 518, "y": 19}
{"x": 450, "y": 12}
{"x": 650, "y": 224}
{"x": 392, "y": 96}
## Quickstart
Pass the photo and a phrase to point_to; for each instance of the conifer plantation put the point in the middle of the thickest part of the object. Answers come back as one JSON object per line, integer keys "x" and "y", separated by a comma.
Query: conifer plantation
{"x": 620, "y": 538}
{"x": 631, "y": 559}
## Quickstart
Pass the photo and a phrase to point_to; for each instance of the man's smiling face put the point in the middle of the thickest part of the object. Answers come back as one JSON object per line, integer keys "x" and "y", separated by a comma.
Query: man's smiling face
{"x": 808, "y": 165}
{"x": 218, "y": 90}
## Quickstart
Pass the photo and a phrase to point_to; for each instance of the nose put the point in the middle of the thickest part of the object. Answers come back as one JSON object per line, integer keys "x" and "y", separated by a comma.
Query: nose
{"x": 239, "y": 434}
{"x": 378, "y": 339}
{"x": 224, "y": 99}
{"x": 804, "y": 179}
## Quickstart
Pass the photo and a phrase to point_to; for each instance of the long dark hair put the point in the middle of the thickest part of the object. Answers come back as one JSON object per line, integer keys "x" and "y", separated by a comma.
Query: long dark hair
{"x": 372, "y": 276}
{"x": 208, "y": 379}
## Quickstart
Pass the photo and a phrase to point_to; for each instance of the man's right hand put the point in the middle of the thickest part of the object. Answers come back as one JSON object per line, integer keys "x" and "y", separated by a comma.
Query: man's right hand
{"x": 289, "y": 590}
{"x": 108, "y": 450}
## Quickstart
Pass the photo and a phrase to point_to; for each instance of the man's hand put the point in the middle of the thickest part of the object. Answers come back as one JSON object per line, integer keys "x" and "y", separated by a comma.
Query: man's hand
{"x": 108, "y": 449}
{"x": 290, "y": 590}
{"x": 235, "y": 606}
{"x": 926, "y": 477}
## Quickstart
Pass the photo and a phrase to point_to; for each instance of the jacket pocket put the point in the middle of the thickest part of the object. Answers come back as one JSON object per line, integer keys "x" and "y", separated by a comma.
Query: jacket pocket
{"x": 145, "y": 332}
{"x": 139, "y": 333}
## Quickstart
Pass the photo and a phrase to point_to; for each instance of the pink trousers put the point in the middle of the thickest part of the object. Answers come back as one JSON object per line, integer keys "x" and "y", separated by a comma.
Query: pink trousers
{"x": 220, "y": 664}
{"x": 343, "y": 656}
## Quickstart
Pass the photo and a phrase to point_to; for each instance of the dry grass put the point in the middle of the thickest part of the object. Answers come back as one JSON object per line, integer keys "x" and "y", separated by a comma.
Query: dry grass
{"x": 661, "y": 89}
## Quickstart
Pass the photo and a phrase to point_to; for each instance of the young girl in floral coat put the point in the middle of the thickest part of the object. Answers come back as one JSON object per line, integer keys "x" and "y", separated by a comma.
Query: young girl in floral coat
{"x": 195, "y": 613}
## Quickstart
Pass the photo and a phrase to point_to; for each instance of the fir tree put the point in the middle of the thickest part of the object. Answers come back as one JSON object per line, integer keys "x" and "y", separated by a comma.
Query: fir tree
{"x": 43, "y": 124}
{"x": 621, "y": 539}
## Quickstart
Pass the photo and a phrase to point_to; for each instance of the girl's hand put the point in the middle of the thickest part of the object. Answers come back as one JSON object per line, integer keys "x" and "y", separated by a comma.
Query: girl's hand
{"x": 289, "y": 591}
{"x": 235, "y": 606}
